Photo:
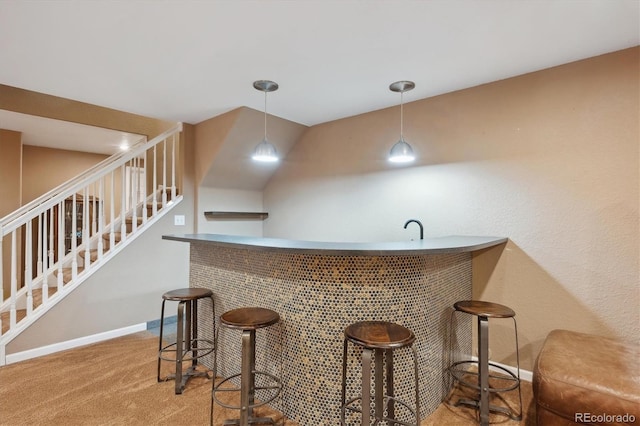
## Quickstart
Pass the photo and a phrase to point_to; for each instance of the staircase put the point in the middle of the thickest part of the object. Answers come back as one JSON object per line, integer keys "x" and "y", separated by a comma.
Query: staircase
{"x": 53, "y": 244}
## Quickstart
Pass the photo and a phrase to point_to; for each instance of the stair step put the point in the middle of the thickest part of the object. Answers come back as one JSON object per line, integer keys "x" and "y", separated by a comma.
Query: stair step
{"x": 67, "y": 274}
{"x": 21, "y": 313}
{"x": 37, "y": 294}
{"x": 106, "y": 237}
{"x": 4, "y": 316}
{"x": 158, "y": 205}
{"x": 93, "y": 255}
{"x": 117, "y": 236}
{"x": 159, "y": 199}
{"x": 168, "y": 191}
{"x": 129, "y": 223}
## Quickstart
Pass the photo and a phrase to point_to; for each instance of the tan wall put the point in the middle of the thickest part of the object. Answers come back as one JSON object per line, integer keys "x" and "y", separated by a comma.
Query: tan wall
{"x": 187, "y": 180}
{"x": 46, "y": 168}
{"x": 10, "y": 161}
{"x": 549, "y": 159}
{"x": 225, "y": 145}
{"x": 210, "y": 135}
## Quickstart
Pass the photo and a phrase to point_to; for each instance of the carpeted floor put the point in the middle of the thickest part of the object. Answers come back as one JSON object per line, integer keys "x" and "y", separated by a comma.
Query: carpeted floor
{"x": 448, "y": 414}
{"x": 114, "y": 383}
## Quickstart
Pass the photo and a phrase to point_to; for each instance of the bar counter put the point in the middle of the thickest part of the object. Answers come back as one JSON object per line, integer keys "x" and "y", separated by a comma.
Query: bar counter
{"x": 321, "y": 287}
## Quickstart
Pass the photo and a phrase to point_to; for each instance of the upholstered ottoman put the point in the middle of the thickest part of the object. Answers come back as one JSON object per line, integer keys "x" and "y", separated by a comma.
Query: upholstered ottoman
{"x": 584, "y": 379}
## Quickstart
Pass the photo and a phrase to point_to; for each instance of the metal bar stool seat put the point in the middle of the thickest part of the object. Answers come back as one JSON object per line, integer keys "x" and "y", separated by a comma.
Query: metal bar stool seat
{"x": 187, "y": 347}
{"x": 463, "y": 371}
{"x": 378, "y": 340}
{"x": 248, "y": 320}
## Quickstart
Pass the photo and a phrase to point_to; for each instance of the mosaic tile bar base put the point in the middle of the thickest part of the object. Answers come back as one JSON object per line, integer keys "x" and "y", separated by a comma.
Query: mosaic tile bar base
{"x": 317, "y": 296}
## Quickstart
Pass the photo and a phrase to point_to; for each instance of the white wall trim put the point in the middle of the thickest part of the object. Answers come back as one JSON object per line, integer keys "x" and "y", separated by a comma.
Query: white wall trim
{"x": 73, "y": 343}
{"x": 525, "y": 375}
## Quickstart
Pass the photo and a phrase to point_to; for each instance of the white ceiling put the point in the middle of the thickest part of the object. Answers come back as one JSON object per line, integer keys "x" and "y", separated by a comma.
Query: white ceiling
{"x": 191, "y": 60}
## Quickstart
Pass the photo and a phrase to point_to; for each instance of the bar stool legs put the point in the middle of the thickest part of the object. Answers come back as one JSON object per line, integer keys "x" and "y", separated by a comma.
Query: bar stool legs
{"x": 378, "y": 347}
{"x": 483, "y": 311}
{"x": 247, "y": 382}
{"x": 188, "y": 347}
{"x": 247, "y": 320}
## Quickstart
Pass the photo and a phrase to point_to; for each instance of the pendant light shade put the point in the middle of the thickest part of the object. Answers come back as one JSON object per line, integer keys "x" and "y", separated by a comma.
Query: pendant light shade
{"x": 401, "y": 152}
{"x": 265, "y": 151}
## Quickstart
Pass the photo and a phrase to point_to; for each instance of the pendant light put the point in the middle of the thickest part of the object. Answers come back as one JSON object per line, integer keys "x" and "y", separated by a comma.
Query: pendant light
{"x": 401, "y": 152}
{"x": 265, "y": 151}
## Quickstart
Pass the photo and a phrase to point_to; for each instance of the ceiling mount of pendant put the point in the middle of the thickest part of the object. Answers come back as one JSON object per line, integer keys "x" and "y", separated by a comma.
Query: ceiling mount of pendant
{"x": 265, "y": 85}
{"x": 402, "y": 86}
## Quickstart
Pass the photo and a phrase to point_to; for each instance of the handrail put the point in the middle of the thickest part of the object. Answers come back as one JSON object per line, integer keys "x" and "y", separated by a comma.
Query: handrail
{"x": 20, "y": 216}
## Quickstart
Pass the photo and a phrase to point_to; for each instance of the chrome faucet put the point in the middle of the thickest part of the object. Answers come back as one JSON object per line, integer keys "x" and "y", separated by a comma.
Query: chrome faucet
{"x": 419, "y": 224}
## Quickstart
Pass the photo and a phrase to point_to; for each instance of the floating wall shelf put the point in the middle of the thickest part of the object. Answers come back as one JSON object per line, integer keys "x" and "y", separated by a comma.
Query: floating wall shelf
{"x": 217, "y": 215}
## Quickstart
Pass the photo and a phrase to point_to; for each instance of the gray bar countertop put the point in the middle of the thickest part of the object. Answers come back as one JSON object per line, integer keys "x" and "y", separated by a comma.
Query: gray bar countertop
{"x": 440, "y": 245}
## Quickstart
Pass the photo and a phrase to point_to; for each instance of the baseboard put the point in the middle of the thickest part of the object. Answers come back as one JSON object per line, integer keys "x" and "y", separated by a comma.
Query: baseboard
{"x": 167, "y": 321}
{"x": 74, "y": 343}
{"x": 525, "y": 375}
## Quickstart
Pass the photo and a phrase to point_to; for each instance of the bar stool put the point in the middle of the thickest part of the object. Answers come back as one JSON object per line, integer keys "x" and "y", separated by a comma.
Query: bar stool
{"x": 187, "y": 335}
{"x": 248, "y": 320}
{"x": 458, "y": 370}
{"x": 378, "y": 339}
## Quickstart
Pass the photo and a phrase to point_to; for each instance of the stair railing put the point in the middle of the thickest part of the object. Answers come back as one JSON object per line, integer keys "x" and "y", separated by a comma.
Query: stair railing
{"x": 64, "y": 234}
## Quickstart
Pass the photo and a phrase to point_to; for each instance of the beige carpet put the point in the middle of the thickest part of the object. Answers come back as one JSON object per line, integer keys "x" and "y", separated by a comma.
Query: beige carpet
{"x": 114, "y": 383}
{"x": 448, "y": 414}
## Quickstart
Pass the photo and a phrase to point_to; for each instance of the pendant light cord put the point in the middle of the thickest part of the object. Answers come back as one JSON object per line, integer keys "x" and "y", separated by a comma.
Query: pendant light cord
{"x": 401, "y": 115}
{"x": 265, "y": 116}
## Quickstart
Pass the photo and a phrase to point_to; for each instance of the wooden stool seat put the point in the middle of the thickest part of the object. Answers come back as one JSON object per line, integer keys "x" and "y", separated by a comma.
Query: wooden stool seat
{"x": 379, "y": 335}
{"x": 484, "y": 309}
{"x": 187, "y": 294}
{"x": 249, "y": 318}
